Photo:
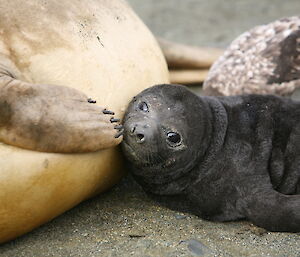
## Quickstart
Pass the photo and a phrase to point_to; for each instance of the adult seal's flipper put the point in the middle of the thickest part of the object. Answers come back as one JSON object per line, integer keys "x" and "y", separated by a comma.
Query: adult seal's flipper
{"x": 51, "y": 118}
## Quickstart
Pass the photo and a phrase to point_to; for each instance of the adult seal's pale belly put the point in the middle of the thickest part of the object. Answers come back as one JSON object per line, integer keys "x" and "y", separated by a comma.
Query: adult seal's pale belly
{"x": 98, "y": 48}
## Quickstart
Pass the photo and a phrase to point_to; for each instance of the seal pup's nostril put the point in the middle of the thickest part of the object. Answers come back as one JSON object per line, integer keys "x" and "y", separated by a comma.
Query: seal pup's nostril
{"x": 137, "y": 132}
{"x": 140, "y": 137}
{"x": 132, "y": 129}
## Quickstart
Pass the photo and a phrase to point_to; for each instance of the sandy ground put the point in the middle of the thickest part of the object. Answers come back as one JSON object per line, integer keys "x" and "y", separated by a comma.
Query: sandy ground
{"x": 124, "y": 221}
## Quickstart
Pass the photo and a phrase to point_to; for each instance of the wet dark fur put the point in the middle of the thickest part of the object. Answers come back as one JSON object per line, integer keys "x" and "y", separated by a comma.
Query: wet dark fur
{"x": 239, "y": 156}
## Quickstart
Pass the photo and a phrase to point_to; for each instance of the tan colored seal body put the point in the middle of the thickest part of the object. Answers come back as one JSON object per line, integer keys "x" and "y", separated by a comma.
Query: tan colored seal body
{"x": 97, "y": 47}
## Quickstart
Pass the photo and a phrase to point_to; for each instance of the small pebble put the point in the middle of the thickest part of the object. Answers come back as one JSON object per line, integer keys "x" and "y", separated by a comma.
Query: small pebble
{"x": 180, "y": 216}
{"x": 197, "y": 248}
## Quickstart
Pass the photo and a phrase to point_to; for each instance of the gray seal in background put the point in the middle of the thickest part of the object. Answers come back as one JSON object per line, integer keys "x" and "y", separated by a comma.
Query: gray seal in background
{"x": 221, "y": 158}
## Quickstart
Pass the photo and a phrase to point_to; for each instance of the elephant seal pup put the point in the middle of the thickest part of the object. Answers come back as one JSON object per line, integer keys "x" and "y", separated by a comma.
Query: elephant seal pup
{"x": 222, "y": 158}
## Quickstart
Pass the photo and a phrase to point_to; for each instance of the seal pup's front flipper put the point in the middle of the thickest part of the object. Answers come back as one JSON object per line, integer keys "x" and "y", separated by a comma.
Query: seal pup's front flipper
{"x": 272, "y": 210}
{"x": 51, "y": 118}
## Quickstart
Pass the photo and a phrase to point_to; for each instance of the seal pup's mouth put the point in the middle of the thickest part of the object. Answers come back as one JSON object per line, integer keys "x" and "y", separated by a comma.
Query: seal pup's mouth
{"x": 134, "y": 157}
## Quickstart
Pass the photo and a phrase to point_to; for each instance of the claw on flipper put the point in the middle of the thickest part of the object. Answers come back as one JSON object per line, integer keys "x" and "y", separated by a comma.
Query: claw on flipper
{"x": 112, "y": 120}
{"x": 120, "y": 133}
{"x": 108, "y": 112}
{"x": 91, "y": 101}
{"x": 118, "y": 127}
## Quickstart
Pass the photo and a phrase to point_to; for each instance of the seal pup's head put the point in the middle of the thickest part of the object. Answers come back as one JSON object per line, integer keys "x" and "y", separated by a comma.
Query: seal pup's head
{"x": 165, "y": 132}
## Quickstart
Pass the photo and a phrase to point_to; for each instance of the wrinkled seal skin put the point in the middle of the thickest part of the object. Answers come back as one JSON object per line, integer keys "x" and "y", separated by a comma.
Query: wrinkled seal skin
{"x": 222, "y": 158}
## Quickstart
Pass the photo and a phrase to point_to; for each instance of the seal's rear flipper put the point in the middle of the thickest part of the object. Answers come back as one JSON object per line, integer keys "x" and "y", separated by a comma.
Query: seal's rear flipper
{"x": 287, "y": 72}
{"x": 288, "y": 62}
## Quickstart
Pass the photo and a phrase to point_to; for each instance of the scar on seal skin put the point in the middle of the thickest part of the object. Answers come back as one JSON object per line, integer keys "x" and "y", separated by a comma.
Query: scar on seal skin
{"x": 222, "y": 158}
{"x": 51, "y": 118}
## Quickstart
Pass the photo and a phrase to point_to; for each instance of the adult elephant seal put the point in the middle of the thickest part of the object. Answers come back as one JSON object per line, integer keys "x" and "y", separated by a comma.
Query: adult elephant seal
{"x": 54, "y": 55}
{"x": 223, "y": 158}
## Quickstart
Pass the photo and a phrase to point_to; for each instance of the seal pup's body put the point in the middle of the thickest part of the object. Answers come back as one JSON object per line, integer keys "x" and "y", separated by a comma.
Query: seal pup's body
{"x": 222, "y": 158}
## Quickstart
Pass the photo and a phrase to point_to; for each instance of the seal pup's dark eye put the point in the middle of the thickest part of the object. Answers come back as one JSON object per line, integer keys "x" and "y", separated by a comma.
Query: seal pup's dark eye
{"x": 173, "y": 138}
{"x": 143, "y": 107}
